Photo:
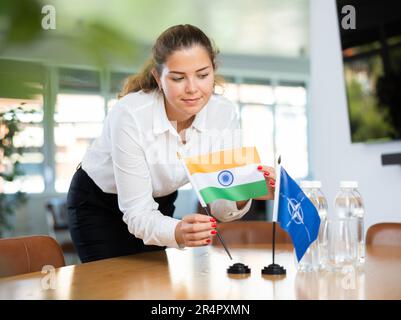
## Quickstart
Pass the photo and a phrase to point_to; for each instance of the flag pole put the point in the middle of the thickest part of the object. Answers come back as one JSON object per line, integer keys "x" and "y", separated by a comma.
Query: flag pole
{"x": 203, "y": 204}
{"x": 275, "y": 269}
{"x": 274, "y": 240}
{"x": 218, "y": 234}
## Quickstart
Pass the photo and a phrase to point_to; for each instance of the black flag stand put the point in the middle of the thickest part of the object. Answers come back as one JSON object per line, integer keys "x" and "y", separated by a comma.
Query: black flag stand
{"x": 236, "y": 268}
{"x": 274, "y": 269}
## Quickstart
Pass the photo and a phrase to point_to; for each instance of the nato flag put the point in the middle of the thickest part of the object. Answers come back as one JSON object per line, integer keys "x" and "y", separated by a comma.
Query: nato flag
{"x": 297, "y": 214}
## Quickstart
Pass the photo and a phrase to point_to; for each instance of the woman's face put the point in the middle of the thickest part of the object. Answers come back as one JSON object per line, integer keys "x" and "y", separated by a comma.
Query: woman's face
{"x": 187, "y": 80}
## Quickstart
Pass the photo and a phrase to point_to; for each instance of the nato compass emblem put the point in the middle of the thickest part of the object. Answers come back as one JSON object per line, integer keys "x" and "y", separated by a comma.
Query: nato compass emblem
{"x": 225, "y": 178}
{"x": 295, "y": 211}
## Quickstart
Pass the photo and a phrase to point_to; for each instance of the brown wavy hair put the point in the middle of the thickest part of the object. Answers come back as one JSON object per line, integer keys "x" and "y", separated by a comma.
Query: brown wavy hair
{"x": 174, "y": 38}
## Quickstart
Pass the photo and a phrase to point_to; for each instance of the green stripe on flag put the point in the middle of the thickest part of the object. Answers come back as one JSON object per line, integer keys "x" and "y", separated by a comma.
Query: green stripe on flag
{"x": 237, "y": 193}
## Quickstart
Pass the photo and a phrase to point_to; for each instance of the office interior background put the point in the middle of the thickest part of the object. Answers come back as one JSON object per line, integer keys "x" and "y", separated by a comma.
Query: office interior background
{"x": 282, "y": 62}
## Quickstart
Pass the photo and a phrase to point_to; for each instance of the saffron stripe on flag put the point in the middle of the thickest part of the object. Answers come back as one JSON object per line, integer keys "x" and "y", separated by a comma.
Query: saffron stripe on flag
{"x": 222, "y": 160}
{"x": 241, "y": 175}
{"x": 237, "y": 193}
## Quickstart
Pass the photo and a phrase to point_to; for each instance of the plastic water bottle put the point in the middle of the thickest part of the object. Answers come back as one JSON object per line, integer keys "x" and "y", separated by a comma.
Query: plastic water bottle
{"x": 343, "y": 228}
{"x": 358, "y": 214}
{"x": 316, "y": 255}
{"x": 320, "y": 202}
{"x": 309, "y": 261}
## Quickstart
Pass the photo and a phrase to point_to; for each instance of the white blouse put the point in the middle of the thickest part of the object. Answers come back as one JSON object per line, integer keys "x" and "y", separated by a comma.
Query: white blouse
{"x": 136, "y": 157}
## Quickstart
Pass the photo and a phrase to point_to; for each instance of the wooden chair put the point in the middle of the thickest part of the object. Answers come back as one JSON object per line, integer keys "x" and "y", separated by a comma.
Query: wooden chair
{"x": 29, "y": 254}
{"x": 384, "y": 234}
{"x": 250, "y": 232}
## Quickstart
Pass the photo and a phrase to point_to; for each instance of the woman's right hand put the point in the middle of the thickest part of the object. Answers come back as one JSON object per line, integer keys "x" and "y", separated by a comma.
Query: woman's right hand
{"x": 195, "y": 230}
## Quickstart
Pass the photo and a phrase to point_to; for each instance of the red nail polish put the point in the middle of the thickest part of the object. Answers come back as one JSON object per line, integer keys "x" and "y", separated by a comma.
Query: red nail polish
{"x": 272, "y": 184}
{"x": 260, "y": 167}
{"x": 208, "y": 240}
{"x": 213, "y": 232}
{"x": 214, "y": 225}
{"x": 266, "y": 174}
{"x": 212, "y": 220}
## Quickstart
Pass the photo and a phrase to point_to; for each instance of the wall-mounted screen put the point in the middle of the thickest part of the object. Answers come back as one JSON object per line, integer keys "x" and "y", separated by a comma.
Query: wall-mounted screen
{"x": 372, "y": 68}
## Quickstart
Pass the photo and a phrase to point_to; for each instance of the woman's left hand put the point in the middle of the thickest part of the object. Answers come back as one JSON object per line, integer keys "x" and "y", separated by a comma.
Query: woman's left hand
{"x": 270, "y": 176}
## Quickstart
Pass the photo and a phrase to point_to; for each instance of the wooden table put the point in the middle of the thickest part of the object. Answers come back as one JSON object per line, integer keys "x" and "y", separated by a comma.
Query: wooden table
{"x": 200, "y": 273}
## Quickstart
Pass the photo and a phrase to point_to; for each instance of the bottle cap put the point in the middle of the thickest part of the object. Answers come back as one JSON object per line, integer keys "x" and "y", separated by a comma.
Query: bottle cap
{"x": 348, "y": 184}
{"x": 310, "y": 184}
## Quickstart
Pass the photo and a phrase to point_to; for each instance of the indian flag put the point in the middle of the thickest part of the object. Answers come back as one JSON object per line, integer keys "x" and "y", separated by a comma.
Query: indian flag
{"x": 229, "y": 174}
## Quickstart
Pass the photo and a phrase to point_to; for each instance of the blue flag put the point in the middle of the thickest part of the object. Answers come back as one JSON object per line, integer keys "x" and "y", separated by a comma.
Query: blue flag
{"x": 296, "y": 213}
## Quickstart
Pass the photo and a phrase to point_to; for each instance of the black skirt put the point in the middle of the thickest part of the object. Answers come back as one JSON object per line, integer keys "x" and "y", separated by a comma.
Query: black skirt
{"x": 95, "y": 221}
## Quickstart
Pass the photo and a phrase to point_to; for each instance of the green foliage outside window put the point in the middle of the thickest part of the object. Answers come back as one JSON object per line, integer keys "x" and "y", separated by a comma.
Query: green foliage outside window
{"x": 10, "y": 166}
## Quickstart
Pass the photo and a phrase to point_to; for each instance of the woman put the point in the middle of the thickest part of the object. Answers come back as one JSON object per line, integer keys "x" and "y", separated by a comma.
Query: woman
{"x": 121, "y": 200}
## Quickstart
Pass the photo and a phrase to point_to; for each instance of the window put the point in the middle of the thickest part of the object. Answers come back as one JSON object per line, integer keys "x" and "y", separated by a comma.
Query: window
{"x": 257, "y": 125}
{"x": 291, "y": 128}
{"x": 79, "y": 114}
{"x": 274, "y": 119}
{"x": 30, "y": 139}
{"x": 117, "y": 80}
{"x": 78, "y": 121}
